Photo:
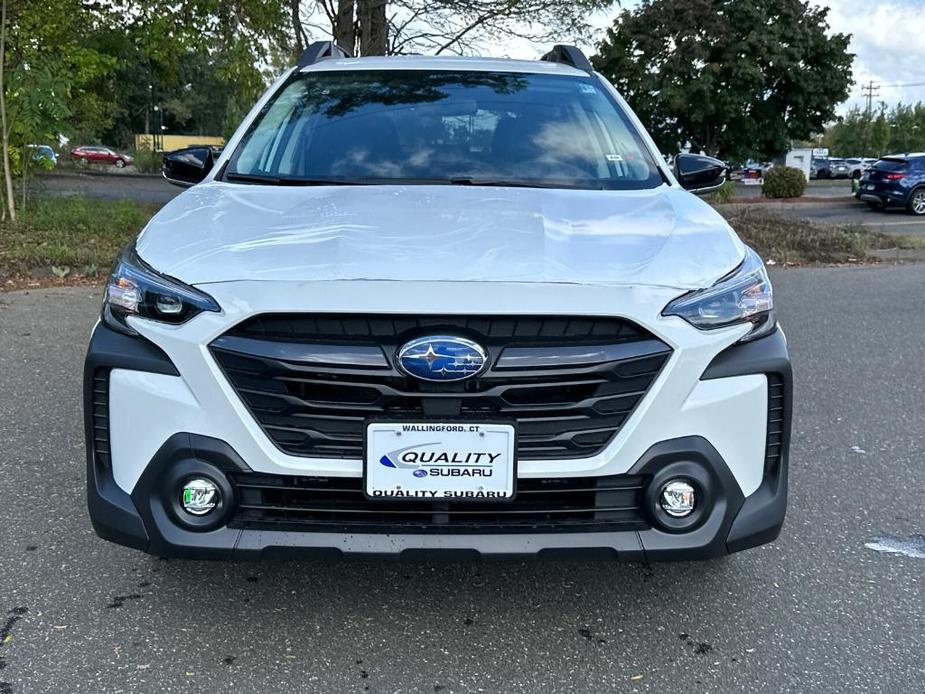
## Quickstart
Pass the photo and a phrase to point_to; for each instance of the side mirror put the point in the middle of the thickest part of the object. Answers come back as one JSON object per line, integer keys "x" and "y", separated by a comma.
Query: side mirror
{"x": 699, "y": 174}
{"x": 187, "y": 167}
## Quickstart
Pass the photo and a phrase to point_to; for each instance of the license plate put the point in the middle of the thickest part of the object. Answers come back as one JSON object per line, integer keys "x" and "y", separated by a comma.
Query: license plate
{"x": 439, "y": 461}
{"x": 869, "y": 186}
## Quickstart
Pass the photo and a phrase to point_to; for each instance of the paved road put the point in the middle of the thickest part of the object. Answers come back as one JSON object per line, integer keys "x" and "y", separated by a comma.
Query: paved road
{"x": 815, "y": 612}
{"x": 147, "y": 189}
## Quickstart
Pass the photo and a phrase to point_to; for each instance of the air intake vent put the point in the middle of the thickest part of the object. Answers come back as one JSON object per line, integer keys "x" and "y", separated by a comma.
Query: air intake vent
{"x": 775, "y": 422}
{"x": 101, "y": 418}
{"x": 335, "y": 504}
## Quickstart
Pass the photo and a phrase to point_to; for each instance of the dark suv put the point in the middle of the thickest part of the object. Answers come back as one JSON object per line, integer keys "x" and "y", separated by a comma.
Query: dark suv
{"x": 896, "y": 181}
{"x": 819, "y": 168}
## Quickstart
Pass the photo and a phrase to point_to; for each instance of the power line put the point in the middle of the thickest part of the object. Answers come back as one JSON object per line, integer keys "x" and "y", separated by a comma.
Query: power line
{"x": 896, "y": 85}
{"x": 870, "y": 91}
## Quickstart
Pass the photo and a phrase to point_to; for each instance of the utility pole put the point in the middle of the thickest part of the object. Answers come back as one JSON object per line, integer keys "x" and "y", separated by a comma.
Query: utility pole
{"x": 870, "y": 91}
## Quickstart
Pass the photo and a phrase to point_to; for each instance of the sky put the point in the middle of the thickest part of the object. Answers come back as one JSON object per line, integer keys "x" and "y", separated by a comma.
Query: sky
{"x": 888, "y": 40}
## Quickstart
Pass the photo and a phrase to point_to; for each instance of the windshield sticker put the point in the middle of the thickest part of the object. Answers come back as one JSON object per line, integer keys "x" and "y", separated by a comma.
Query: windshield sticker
{"x": 614, "y": 157}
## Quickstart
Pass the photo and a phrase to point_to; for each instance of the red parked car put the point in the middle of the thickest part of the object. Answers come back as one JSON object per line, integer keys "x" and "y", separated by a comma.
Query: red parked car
{"x": 101, "y": 155}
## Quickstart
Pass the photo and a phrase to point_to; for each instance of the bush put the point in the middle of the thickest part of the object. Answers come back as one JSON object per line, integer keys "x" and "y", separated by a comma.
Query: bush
{"x": 147, "y": 161}
{"x": 724, "y": 194}
{"x": 783, "y": 182}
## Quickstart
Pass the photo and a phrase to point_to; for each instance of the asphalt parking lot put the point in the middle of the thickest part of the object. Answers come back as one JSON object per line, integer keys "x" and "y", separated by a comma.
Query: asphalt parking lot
{"x": 847, "y": 210}
{"x": 817, "y": 611}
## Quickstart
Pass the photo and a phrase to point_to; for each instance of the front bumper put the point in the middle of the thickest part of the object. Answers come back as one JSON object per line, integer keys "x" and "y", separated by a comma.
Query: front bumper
{"x": 129, "y": 502}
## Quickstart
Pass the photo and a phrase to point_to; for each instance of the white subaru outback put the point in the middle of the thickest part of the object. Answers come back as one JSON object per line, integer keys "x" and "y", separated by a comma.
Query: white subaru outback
{"x": 426, "y": 306}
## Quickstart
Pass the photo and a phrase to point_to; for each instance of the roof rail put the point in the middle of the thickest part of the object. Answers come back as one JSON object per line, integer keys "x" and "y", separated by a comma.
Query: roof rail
{"x": 321, "y": 50}
{"x": 568, "y": 55}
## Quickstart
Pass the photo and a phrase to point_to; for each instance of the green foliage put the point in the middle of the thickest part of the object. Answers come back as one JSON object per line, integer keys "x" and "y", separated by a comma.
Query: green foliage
{"x": 863, "y": 134}
{"x": 147, "y": 161}
{"x": 109, "y": 64}
{"x": 37, "y": 95}
{"x": 724, "y": 194}
{"x": 67, "y": 233}
{"x": 783, "y": 182}
{"x": 738, "y": 78}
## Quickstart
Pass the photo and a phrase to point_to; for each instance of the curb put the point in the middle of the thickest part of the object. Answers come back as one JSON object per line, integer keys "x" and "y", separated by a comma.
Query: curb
{"x": 64, "y": 173}
{"x": 828, "y": 200}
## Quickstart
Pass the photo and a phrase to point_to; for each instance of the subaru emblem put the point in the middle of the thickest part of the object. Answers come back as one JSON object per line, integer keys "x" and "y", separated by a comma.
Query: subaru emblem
{"x": 442, "y": 358}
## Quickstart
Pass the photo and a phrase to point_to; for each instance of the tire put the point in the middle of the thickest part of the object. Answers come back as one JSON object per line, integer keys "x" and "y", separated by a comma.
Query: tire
{"x": 120, "y": 163}
{"x": 917, "y": 202}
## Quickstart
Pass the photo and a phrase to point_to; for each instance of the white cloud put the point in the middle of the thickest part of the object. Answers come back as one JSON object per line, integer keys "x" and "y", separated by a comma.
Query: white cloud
{"x": 888, "y": 39}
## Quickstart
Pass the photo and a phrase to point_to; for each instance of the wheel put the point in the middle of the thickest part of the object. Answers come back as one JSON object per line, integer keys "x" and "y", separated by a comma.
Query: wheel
{"x": 120, "y": 163}
{"x": 917, "y": 202}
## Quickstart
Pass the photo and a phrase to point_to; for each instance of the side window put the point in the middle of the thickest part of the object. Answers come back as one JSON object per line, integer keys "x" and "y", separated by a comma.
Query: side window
{"x": 267, "y": 144}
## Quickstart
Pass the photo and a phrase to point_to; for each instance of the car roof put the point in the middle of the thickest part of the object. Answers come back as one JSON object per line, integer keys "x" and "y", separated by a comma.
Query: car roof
{"x": 903, "y": 157}
{"x": 448, "y": 63}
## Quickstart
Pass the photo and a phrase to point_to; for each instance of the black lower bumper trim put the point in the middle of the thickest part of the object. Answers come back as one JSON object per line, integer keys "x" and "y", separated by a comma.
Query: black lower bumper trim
{"x": 147, "y": 521}
{"x": 112, "y": 513}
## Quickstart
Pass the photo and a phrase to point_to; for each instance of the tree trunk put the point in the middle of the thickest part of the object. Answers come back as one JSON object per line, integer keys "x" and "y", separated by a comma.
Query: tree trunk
{"x": 345, "y": 29}
{"x": 23, "y": 163}
{"x": 373, "y": 30}
{"x": 298, "y": 30}
{"x": 7, "y": 174}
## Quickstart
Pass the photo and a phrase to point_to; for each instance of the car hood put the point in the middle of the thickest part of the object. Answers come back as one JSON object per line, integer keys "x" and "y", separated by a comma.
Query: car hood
{"x": 219, "y": 232}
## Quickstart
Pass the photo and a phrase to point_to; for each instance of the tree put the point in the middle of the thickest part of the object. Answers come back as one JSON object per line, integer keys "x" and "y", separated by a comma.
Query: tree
{"x": 737, "y": 78}
{"x": 5, "y": 135}
{"x": 861, "y": 133}
{"x": 44, "y": 62}
{"x": 390, "y": 27}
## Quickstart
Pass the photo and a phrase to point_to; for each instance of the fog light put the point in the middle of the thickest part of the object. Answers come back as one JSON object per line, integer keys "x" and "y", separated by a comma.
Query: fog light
{"x": 199, "y": 496}
{"x": 677, "y": 499}
{"x": 168, "y": 305}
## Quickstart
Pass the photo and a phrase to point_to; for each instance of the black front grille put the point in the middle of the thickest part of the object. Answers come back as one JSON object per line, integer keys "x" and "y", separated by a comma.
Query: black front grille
{"x": 321, "y": 410}
{"x": 393, "y": 329}
{"x": 775, "y": 434}
{"x": 333, "y": 504}
{"x": 101, "y": 417}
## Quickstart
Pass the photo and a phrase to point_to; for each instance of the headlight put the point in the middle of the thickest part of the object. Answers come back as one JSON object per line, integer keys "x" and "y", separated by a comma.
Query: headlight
{"x": 134, "y": 289}
{"x": 744, "y": 296}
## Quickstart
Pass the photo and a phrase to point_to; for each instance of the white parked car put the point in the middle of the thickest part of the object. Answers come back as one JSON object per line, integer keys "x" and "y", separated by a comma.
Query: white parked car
{"x": 438, "y": 306}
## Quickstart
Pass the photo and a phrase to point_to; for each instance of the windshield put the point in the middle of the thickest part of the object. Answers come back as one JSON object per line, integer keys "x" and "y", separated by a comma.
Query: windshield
{"x": 467, "y": 128}
{"x": 891, "y": 165}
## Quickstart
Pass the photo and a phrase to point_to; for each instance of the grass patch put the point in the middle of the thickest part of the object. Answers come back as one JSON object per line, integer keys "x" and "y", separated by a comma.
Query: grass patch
{"x": 65, "y": 236}
{"x": 798, "y": 242}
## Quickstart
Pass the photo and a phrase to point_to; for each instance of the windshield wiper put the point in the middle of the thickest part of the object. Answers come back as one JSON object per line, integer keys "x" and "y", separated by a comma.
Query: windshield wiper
{"x": 455, "y": 181}
{"x": 287, "y": 180}
{"x": 505, "y": 183}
